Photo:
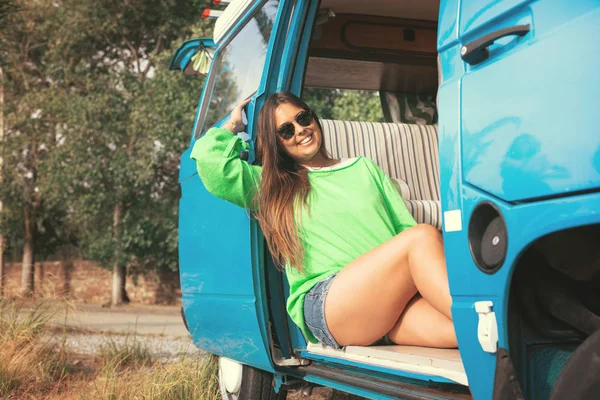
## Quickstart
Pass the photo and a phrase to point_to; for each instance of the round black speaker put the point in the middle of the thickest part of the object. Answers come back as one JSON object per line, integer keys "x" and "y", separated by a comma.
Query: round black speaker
{"x": 488, "y": 237}
{"x": 493, "y": 243}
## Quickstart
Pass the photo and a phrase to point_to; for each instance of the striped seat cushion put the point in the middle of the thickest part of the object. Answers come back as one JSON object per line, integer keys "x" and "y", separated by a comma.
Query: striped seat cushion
{"x": 404, "y": 151}
{"x": 407, "y": 153}
{"x": 426, "y": 212}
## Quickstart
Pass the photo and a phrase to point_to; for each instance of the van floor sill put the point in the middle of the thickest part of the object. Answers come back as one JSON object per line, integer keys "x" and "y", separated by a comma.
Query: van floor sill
{"x": 445, "y": 363}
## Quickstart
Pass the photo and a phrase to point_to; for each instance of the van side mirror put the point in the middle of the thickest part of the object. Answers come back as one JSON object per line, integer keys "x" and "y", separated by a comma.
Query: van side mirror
{"x": 194, "y": 57}
{"x": 200, "y": 62}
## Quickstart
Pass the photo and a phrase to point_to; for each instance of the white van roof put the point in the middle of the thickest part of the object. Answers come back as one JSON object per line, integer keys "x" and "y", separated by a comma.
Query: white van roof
{"x": 231, "y": 15}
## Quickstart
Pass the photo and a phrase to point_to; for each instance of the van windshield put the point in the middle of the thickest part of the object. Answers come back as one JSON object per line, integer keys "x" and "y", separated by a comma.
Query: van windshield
{"x": 239, "y": 65}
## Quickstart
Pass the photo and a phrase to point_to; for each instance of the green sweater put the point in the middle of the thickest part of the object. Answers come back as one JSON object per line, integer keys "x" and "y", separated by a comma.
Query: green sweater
{"x": 352, "y": 209}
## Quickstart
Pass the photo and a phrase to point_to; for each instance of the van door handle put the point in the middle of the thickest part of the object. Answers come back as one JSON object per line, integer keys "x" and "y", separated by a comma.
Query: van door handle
{"x": 477, "y": 51}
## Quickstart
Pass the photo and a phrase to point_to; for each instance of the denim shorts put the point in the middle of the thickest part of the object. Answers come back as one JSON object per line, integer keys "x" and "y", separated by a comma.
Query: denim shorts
{"x": 314, "y": 313}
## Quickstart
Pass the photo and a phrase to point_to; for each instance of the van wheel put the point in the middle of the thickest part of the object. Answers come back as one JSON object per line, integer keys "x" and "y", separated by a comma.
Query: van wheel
{"x": 242, "y": 382}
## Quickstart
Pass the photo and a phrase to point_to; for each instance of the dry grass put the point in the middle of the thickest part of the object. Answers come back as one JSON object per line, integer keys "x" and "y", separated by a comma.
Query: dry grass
{"x": 31, "y": 368}
{"x": 130, "y": 354}
{"x": 187, "y": 379}
{"x": 127, "y": 371}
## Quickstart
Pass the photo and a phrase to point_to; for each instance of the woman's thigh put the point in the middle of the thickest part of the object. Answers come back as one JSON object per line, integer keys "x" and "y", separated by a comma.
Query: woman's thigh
{"x": 368, "y": 295}
{"x": 422, "y": 325}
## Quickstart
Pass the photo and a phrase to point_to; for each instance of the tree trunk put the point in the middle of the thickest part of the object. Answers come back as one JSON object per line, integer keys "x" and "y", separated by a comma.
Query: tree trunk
{"x": 119, "y": 294}
{"x": 28, "y": 268}
{"x": 1, "y": 164}
{"x": 1, "y": 262}
{"x": 66, "y": 258}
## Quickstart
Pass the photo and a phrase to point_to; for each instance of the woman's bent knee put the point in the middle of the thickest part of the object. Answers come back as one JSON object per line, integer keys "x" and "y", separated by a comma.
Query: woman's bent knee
{"x": 425, "y": 231}
{"x": 422, "y": 235}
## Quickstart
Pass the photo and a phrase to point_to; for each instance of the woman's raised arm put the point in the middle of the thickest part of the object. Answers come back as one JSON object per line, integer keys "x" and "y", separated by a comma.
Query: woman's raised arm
{"x": 223, "y": 172}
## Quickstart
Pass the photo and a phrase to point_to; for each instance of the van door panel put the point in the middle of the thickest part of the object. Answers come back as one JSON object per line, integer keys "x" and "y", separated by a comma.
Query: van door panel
{"x": 218, "y": 292}
{"x": 477, "y": 14}
{"x": 526, "y": 126}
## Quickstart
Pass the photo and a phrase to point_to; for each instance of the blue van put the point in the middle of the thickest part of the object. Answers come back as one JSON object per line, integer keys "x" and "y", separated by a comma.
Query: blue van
{"x": 509, "y": 172}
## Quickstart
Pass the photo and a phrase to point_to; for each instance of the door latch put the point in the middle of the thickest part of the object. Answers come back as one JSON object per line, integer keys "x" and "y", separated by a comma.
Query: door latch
{"x": 487, "y": 329}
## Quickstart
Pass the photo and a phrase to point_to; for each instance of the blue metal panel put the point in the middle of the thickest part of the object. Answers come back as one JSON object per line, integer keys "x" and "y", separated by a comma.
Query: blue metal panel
{"x": 276, "y": 61}
{"x": 227, "y": 225}
{"x": 211, "y": 319}
{"x": 525, "y": 224}
{"x": 535, "y": 96}
{"x": 527, "y": 129}
{"x": 449, "y": 142}
{"x": 221, "y": 258}
{"x": 447, "y": 24}
{"x": 187, "y": 168}
{"x": 476, "y": 14}
{"x": 302, "y": 52}
{"x": 290, "y": 50}
{"x": 451, "y": 67}
{"x": 216, "y": 268}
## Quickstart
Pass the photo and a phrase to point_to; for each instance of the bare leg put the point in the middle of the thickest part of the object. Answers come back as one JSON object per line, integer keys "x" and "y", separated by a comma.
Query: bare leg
{"x": 423, "y": 325}
{"x": 368, "y": 296}
{"x": 428, "y": 269}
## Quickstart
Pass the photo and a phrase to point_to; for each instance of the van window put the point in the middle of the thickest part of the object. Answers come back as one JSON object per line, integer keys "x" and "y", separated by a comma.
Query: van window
{"x": 344, "y": 104}
{"x": 239, "y": 66}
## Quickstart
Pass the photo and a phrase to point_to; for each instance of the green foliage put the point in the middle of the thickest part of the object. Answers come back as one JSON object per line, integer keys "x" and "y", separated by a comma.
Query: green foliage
{"x": 349, "y": 105}
{"x": 6, "y": 7}
{"x": 31, "y": 98}
{"x": 95, "y": 122}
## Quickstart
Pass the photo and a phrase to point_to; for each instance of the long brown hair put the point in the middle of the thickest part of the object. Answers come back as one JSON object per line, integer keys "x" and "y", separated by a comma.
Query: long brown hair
{"x": 284, "y": 186}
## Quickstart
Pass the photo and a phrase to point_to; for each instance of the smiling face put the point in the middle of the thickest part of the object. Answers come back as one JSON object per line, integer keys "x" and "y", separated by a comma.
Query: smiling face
{"x": 304, "y": 146}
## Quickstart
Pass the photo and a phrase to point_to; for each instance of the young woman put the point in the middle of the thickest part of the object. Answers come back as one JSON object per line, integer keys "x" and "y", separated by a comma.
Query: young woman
{"x": 359, "y": 267}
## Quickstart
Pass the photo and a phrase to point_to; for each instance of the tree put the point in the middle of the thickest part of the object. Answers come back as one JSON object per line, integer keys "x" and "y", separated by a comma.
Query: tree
{"x": 77, "y": 71}
{"x": 118, "y": 174}
{"x": 7, "y": 7}
{"x": 28, "y": 131}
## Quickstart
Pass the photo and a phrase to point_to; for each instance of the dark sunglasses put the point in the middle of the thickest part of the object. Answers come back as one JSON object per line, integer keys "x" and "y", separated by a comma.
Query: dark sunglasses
{"x": 287, "y": 130}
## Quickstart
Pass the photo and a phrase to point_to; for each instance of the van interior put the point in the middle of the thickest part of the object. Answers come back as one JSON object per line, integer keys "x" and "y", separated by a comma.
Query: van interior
{"x": 388, "y": 50}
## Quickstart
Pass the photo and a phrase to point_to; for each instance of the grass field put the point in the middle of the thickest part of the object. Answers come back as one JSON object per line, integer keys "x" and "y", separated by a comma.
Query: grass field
{"x": 33, "y": 367}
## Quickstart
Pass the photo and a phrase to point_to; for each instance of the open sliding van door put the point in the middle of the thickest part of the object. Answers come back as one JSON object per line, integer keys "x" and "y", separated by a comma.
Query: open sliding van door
{"x": 222, "y": 277}
{"x": 519, "y": 79}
